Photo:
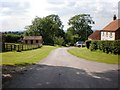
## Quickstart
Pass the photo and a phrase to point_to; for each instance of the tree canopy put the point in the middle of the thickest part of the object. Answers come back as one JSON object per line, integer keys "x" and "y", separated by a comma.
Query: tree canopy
{"x": 80, "y": 27}
{"x": 51, "y": 29}
{"x": 48, "y": 27}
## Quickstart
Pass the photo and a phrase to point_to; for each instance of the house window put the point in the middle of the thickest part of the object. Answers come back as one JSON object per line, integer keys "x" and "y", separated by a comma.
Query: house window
{"x": 110, "y": 34}
{"x": 31, "y": 41}
{"x": 103, "y": 33}
{"x": 107, "y": 34}
{"x": 26, "y": 41}
{"x": 36, "y": 41}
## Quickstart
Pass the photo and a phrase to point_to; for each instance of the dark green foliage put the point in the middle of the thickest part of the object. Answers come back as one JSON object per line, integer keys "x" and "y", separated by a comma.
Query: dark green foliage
{"x": 93, "y": 45}
{"x": 116, "y": 47}
{"x": 12, "y": 38}
{"x": 80, "y": 25}
{"x": 48, "y": 27}
{"x": 59, "y": 41}
{"x": 71, "y": 38}
{"x": 88, "y": 42}
{"x": 51, "y": 29}
{"x": 106, "y": 46}
{"x": 14, "y": 32}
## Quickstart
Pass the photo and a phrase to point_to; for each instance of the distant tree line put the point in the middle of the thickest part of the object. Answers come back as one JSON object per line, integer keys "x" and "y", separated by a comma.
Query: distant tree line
{"x": 13, "y": 32}
{"x": 12, "y": 36}
{"x": 51, "y": 29}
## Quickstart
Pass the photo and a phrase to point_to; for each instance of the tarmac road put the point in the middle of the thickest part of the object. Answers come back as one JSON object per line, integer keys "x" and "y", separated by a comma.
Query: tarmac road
{"x": 63, "y": 70}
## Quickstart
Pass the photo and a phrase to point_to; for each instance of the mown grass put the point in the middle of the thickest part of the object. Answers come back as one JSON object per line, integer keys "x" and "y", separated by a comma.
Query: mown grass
{"x": 26, "y": 57}
{"x": 97, "y": 56}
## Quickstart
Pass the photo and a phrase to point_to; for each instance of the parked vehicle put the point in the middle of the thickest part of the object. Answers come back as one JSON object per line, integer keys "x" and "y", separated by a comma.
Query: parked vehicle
{"x": 79, "y": 43}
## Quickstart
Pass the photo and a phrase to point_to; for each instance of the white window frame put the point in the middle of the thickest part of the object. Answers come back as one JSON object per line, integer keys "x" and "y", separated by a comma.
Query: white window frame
{"x": 110, "y": 34}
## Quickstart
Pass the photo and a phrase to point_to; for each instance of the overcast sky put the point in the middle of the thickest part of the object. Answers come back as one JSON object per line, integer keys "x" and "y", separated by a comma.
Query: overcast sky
{"x": 16, "y": 14}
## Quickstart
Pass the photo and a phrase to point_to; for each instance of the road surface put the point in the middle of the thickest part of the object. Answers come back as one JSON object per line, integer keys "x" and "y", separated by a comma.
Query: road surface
{"x": 63, "y": 70}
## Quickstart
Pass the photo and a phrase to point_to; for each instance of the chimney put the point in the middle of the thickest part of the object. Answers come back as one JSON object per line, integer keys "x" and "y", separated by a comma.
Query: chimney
{"x": 114, "y": 18}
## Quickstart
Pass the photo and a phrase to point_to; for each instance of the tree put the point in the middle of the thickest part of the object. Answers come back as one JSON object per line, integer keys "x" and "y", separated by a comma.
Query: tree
{"x": 71, "y": 37}
{"x": 48, "y": 27}
{"x": 80, "y": 25}
{"x": 59, "y": 41}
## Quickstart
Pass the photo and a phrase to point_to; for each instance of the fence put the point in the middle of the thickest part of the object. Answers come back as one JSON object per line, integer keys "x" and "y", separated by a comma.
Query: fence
{"x": 20, "y": 47}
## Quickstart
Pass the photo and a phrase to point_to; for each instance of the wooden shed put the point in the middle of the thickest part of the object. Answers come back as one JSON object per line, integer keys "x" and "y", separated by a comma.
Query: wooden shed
{"x": 32, "y": 40}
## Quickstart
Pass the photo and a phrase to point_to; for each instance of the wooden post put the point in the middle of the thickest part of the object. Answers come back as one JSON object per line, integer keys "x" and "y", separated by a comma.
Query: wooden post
{"x": 22, "y": 47}
{"x": 6, "y": 47}
{"x": 38, "y": 46}
{"x": 81, "y": 45}
{"x": 18, "y": 48}
{"x": 25, "y": 47}
{"x": 11, "y": 47}
{"x": 14, "y": 47}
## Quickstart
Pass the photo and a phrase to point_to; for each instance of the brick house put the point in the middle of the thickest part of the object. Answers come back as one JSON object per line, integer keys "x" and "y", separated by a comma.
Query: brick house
{"x": 32, "y": 40}
{"x": 109, "y": 32}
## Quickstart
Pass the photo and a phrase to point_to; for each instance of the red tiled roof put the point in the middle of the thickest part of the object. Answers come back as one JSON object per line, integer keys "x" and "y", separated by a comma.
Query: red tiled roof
{"x": 113, "y": 26}
{"x": 95, "y": 35}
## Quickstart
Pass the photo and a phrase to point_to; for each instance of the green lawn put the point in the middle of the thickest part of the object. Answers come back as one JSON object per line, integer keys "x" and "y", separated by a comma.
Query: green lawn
{"x": 25, "y": 57}
{"x": 97, "y": 56}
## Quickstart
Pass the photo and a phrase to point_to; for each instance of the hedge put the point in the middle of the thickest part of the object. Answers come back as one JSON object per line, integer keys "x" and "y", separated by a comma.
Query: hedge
{"x": 88, "y": 43}
{"x": 105, "y": 46}
{"x": 12, "y": 38}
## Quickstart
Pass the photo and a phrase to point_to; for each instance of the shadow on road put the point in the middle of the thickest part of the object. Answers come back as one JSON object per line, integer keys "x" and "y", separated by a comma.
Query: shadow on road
{"x": 46, "y": 76}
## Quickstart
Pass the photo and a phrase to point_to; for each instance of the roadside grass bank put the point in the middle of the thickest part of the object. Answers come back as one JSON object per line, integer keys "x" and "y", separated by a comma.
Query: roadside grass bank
{"x": 25, "y": 57}
{"x": 97, "y": 56}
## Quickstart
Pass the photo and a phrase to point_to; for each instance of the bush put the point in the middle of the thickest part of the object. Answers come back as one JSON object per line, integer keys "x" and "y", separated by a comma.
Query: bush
{"x": 12, "y": 38}
{"x": 93, "y": 46}
{"x": 116, "y": 47}
{"x": 88, "y": 42}
{"x": 59, "y": 41}
{"x": 106, "y": 46}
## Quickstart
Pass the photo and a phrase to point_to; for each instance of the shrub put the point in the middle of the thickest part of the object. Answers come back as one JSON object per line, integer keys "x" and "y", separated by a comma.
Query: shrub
{"x": 58, "y": 41}
{"x": 116, "y": 47}
{"x": 88, "y": 44}
{"x": 106, "y": 46}
{"x": 12, "y": 38}
{"x": 93, "y": 46}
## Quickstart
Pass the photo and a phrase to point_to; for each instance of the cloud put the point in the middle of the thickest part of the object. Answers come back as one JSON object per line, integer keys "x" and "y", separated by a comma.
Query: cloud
{"x": 101, "y": 11}
{"x": 119, "y": 10}
{"x": 13, "y": 8}
{"x": 55, "y": 2}
{"x": 16, "y": 14}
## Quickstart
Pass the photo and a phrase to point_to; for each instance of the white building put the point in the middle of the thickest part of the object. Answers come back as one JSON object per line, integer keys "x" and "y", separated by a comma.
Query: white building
{"x": 105, "y": 35}
{"x": 111, "y": 31}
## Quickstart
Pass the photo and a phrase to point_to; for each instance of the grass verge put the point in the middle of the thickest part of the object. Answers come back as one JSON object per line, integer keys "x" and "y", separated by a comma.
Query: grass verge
{"x": 97, "y": 56}
{"x": 26, "y": 57}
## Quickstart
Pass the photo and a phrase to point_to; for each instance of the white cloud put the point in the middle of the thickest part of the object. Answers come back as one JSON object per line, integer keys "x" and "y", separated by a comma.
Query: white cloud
{"x": 16, "y": 14}
{"x": 119, "y": 10}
